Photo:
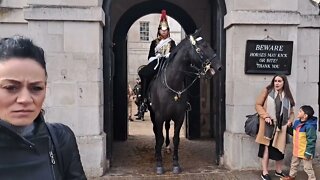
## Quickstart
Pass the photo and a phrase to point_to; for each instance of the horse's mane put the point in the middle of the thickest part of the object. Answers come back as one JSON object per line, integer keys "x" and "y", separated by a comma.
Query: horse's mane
{"x": 181, "y": 45}
{"x": 173, "y": 54}
{"x": 176, "y": 49}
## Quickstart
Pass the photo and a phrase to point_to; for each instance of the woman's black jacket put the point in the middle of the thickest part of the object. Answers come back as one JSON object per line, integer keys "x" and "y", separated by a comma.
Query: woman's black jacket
{"x": 34, "y": 157}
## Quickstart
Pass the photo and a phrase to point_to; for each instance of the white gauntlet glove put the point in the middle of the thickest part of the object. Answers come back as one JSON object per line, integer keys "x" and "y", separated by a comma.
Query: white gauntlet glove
{"x": 158, "y": 55}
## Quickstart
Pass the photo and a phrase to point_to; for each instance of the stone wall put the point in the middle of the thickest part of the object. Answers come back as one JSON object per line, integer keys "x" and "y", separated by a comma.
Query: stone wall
{"x": 278, "y": 20}
{"x": 12, "y": 21}
{"x": 71, "y": 34}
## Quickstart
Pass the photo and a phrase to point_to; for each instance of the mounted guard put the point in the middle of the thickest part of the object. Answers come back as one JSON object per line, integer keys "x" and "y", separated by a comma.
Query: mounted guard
{"x": 159, "y": 51}
{"x": 194, "y": 57}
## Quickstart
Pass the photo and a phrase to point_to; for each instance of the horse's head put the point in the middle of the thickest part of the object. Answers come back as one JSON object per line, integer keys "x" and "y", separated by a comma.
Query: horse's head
{"x": 204, "y": 59}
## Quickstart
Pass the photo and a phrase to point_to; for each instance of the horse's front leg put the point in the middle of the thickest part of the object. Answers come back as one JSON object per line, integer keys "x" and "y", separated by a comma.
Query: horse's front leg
{"x": 167, "y": 126}
{"x": 159, "y": 142}
{"x": 176, "y": 141}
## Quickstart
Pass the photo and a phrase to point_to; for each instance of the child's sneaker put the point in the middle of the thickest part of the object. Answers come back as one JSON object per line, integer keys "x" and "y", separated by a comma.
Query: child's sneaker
{"x": 287, "y": 178}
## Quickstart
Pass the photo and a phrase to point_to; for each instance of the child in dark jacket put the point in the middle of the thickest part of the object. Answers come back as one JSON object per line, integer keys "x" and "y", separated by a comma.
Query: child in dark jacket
{"x": 304, "y": 142}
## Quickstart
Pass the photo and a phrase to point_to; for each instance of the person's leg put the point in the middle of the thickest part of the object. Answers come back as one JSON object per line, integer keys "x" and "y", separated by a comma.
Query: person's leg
{"x": 130, "y": 109}
{"x": 294, "y": 166}
{"x": 141, "y": 112}
{"x": 138, "y": 100}
{"x": 278, "y": 165}
{"x": 265, "y": 161}
{"x": 137, "y": 108}
{"x": 146, "y": 74}
{"x": 307, "y": 167}
{"x": 143, "y": 84}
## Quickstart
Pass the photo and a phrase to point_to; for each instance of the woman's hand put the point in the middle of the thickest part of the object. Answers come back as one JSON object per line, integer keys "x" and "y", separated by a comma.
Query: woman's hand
{"x": 268, "y": 120}
{"x": 289, "y": 123}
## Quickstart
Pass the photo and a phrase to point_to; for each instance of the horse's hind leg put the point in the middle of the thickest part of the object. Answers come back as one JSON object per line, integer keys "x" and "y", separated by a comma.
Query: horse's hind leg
{"x": 167, "y": 126}
{"x": 176, "y": 141}
{"x": 159, "y": 142}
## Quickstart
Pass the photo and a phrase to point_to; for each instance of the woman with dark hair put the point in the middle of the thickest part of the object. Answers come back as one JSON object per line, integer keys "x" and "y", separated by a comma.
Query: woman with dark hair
{"x": 160, "y": 49}
{"x": 31, "y": 149}
{"x": 275, "y": 108}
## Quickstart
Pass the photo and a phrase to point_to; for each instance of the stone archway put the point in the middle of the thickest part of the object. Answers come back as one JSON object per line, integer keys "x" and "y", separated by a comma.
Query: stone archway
{"x": 120, "y": 54}
{"x": 123, "y": 15}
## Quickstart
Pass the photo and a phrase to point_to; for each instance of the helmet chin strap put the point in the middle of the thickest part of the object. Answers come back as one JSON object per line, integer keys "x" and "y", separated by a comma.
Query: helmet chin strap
{"x": 163, "y": 37}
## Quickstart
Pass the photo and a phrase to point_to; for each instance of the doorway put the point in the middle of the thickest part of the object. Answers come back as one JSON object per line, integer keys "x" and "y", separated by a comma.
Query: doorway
{"x": 117, "y": 123}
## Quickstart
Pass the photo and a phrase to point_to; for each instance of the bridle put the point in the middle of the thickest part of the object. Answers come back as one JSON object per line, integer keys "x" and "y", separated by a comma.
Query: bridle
{"x": 206, "y": 65}
{"x": 206, "y": 62}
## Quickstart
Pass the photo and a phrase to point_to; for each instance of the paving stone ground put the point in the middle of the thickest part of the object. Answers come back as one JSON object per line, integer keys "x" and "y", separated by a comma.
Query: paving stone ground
{"x": 134, "y": 159}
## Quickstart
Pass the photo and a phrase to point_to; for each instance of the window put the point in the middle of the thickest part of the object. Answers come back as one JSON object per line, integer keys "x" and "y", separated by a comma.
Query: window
{"x": 144, "y": 31}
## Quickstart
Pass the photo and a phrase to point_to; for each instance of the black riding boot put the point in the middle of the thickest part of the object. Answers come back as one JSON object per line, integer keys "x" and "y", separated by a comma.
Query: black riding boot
{"x": 144, "y": 86}
{"x": 141, "y": 112}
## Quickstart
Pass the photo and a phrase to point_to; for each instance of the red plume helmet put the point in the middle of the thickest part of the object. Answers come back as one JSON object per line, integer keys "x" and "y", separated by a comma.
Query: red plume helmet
{"x": 163, "y": 20}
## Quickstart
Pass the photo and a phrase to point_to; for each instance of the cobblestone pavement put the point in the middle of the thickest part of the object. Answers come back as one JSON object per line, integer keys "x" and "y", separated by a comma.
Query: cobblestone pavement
{"x": 134, "y": 159}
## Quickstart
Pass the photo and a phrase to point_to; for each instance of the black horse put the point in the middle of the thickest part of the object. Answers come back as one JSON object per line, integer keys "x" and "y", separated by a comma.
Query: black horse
{"x": 167, "y": 93}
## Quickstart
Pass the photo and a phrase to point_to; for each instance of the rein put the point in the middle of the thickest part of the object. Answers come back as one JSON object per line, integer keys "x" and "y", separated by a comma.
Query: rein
{"x": 178, "y": 93}
{"x": 205, "y": 65}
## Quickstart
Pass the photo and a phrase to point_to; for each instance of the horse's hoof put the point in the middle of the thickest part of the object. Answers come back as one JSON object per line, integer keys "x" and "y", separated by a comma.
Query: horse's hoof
{"x": 176, "y": 169}
{"x": 159, "y": 170}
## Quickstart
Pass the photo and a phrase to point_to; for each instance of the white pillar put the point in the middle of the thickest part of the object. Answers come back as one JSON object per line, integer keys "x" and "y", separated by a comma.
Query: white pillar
{"x": 257, "y": 20}
{"x": 71, "y": 34}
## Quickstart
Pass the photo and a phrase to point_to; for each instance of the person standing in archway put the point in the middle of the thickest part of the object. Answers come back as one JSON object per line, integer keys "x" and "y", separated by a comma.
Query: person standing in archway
{"x": 160, "y": 49}
{"x": 130, "y": 96}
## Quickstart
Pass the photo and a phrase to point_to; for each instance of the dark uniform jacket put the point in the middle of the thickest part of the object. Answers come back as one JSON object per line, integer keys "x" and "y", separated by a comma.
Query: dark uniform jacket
{"x": 150, "y": 70}
{"x": 154, "y": 43}
{"x": 34, "y": 157}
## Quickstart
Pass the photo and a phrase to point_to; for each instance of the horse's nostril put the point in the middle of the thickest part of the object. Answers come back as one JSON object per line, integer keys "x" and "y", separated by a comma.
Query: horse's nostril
{"x": 217, "y": 67}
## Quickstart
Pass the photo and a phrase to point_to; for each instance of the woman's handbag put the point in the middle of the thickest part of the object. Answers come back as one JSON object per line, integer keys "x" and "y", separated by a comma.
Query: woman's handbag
{"x": 251, "y": 126}
{"x": 290, "y": 130}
